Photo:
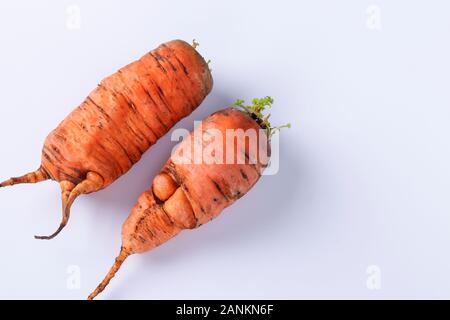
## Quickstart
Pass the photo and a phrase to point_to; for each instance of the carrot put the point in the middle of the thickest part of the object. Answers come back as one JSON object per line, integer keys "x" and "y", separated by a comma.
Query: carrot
{"x": 125, "y": 115}
{"x": 186, "y": 194}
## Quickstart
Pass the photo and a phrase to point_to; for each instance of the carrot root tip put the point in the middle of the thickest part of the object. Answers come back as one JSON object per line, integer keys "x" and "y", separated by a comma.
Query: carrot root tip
{"x": 32, "y": 177}
{"x": 50, "y": 237}
{"x": 124, "y": 254}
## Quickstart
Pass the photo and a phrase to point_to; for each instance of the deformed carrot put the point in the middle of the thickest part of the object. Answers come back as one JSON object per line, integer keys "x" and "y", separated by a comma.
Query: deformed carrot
{"x": 186, "y": 195}
{"x": 126, "y": 114}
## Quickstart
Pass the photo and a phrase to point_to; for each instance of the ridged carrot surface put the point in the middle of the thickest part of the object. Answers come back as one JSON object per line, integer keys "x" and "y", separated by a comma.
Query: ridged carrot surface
{"x": 119, "y": 120}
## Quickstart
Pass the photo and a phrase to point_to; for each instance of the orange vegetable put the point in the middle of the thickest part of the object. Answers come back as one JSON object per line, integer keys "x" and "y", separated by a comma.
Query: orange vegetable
{"x": 125, "y": 115}
{"x": 202, "y": 190}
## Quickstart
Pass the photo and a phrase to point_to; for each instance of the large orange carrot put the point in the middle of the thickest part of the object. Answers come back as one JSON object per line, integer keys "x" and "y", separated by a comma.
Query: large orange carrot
{"x": 126, "y": 114}
{"x": 188, "y": 194}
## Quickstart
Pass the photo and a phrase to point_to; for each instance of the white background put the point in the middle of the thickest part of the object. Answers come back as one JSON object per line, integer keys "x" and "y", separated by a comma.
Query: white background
{"x": 364, "y": 178}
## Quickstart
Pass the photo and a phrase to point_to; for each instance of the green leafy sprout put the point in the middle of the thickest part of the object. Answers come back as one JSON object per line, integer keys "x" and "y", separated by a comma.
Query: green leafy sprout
{"x": 256, "y": 111}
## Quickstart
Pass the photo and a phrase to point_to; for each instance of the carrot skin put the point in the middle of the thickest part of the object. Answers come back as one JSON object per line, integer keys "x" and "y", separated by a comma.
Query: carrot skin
{"x": 179, "y": 209}
{"x": 148, "y": 225}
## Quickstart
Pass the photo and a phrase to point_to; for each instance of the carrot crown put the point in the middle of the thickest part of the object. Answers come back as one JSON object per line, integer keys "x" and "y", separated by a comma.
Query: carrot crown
{"x": 256, "y": 111}
{"x": 195, "y": 45}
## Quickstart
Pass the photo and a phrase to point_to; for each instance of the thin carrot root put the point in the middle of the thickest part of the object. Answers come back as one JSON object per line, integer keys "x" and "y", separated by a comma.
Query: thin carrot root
{"x": 124, "y": 254}
{"x": 69, "y": 193}
{"x": 32, "y": 177}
